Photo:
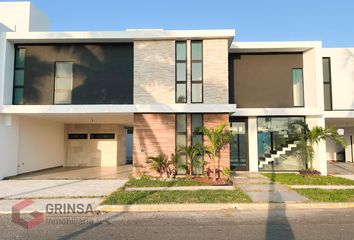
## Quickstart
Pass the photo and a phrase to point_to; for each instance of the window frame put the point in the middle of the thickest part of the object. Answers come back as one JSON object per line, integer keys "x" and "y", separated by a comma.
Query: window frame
{"x": 82, "y": 136}
{"x": 180, "y": 133}
{"x": 328, "y": 83}
{"x": 55, "y": 81}
{"x": 192, "y": 131}
{"x": 177, "y": 82}
{"x": 99, "y": 136}
{"x": 202, "y": 70}
{"x": 303, "y": 87}
{"x": 14, "y": 76}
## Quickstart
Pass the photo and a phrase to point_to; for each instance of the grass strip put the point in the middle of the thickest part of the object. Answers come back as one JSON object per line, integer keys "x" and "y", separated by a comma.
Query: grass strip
{"x": 147, "y": 182}
{"x": 159, "y": 197}
{"x": 297, "y": 179}
{"x": 321, "y": 195}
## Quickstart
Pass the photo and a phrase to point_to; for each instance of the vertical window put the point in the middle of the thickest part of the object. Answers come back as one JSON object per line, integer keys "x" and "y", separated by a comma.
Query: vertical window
{"x": 19, "y": 76}
{"x": 298, "y": 87}
{"x": 181, "y": 137}
{"x": 197, "y": 138}
{"x": 181, "y": 129}
{"x": 327, "y": 83}
{"x": 63, "y": 82}
{"x": 196, "y": 121}
{"x": 197, "y": 71}
{"x": 181, "y": 72}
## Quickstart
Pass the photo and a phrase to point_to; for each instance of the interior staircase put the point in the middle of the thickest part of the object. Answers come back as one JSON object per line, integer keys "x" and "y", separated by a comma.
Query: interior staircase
{"x": 276, "y": 154}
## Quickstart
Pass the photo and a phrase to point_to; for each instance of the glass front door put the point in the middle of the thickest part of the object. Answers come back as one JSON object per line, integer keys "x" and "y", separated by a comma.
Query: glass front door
{"x": 239, "y": 144}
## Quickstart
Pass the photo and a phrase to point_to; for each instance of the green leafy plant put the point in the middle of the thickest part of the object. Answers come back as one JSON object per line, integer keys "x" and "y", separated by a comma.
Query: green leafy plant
{"x": 219, "y": 137}
{"x": 190, "y": 152}
{"x": 307, "y": 138}
{"x": 226, "y": 172}
{"x": 175, "y": 161}
{"x": 160, "y": 164}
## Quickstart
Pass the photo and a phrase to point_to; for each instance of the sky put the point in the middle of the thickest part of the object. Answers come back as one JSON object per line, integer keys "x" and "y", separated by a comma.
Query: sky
{"x": 331, "y": 21}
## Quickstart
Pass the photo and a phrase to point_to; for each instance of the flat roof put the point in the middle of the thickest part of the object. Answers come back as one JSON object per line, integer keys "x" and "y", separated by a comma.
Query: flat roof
{"x": 264, "y": 47}
{"x": 118, "y": 36}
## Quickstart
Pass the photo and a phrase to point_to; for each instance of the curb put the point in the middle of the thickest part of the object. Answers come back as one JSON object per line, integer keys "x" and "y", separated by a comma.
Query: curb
{"x": 215, "y": 207}
{"x": 186, "y": 188}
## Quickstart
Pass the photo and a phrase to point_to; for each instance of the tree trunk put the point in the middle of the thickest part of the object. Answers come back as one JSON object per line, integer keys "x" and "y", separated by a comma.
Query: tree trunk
{"x": 214, "y": 169}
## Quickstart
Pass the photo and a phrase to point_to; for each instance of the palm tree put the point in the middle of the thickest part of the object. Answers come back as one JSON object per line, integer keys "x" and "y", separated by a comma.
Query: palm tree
{"x": 175, "y": 161}
{"x": 160, "y": 164}
{"x": 219, "y": 137}
{"x": 308, "y": 137}
{"x": 190, "y": 152}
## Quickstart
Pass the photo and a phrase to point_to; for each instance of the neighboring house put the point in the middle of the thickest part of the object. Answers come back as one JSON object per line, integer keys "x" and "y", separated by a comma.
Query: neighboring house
{"x": 109, "y": 98}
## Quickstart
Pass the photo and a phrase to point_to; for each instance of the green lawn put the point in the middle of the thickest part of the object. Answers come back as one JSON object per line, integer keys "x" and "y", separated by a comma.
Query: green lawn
{"x": 159, "y": 197}
{"x": 297, "y": 179}
{"x": 321, "y": 195}
{"x": 147, "y": 182}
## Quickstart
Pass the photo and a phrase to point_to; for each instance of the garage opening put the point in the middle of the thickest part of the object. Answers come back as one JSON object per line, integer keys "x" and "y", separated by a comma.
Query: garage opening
{"x": 97, "y": 145}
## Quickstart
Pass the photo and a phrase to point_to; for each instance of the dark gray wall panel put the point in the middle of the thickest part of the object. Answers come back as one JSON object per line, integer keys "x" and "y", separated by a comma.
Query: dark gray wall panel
{"x": 262, "y": 80}
{"x": 103, "y": 73}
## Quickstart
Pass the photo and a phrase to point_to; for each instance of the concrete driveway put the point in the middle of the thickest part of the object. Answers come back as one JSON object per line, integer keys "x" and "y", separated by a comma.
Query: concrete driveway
{"x": 340, "y": 168}
{"x": 19, "y": 189}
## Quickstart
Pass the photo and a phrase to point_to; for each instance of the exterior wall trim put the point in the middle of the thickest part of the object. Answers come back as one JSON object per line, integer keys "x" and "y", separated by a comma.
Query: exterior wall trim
{"x": 122, "y": 108}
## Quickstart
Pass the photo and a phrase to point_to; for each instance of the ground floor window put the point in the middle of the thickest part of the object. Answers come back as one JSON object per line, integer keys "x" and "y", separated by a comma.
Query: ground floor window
{"x": 186, "y": 124}
{"x": 277, "y": 143}
{"x": 197, "y": 138}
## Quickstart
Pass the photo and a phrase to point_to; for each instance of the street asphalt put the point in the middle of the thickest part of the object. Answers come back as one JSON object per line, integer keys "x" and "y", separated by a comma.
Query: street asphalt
{"x": 226, "y": 224}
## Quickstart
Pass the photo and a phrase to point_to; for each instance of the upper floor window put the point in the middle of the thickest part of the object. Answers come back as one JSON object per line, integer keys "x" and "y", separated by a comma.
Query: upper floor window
{"x": 197, "y": 71}
{"x": 327, "y": 83}
{"x": 19, "y": 76}
{"x": 298, "y": 87}
{"x": 181, "y": 72}
{"x": 63, "y": 82}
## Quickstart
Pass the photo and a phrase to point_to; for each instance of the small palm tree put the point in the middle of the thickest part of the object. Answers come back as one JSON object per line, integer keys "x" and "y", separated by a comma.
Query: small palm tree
{"x": 219, "y": 137}
{"x": 191, "y": 152}
{"x": 308, "y": 137}
{"x": 175, "y": 161}
{"x": 160, "y": 164}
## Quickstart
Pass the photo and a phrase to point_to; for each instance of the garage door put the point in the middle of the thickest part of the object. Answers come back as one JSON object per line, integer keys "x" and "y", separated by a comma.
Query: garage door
{"x": 91, "y": 149}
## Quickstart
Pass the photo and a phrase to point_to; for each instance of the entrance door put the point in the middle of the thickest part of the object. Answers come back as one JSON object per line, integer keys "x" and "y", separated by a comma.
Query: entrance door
{"x": 239, "y": 144}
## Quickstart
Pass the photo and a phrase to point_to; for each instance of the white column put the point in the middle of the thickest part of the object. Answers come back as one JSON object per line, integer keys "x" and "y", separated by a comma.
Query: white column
{"x": 252, "y": 144}
{"x": 319, "y": 162}
{"x": 9, "y": 140}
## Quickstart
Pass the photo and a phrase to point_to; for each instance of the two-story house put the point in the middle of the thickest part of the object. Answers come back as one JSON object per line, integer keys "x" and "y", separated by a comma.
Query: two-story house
{"x": 81, "y": 99}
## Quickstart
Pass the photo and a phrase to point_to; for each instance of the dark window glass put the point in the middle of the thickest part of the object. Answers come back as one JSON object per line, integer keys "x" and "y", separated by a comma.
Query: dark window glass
{"x": 130, "y": 130}
{"x": 197, "y": 71}
{"x": 18, "y": 96}
{"x": 181, "y": 123}
{"x": 181, "y": 136}
{"x": 102, "y": 136}
{"x": 77, "y": 136}
{"x": 327, "y": 83}
{"x": 326, "y": 70}
{"x": 197, "y": 138}
{"x": 20, "y": 58}
{"x": 19, "y": 76}
{"x": 181, "y": 72}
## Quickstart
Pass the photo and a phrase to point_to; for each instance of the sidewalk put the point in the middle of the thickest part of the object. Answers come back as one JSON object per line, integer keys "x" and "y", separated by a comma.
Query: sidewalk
{"x": 260, "y": 189}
